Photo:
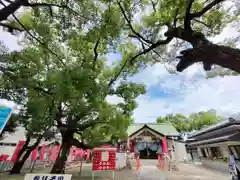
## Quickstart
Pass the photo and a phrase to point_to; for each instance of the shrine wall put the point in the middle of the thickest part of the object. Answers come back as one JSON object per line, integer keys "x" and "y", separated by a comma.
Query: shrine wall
{"x": 121, "y": 160}
{"x": 180, "y": 151}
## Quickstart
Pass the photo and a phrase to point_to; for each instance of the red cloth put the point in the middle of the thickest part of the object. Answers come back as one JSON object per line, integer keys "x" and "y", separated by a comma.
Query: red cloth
{"x": 34, "y": 154}
{"x": 41, "y": 156}
{"x": 88, "y": 154}
{"x": 4, "y": 157}
{"x": 17, "y": 150}
{"x": 55, "y": 152}
{"x": 132, "y": 145}
{"x": 164, "y": 145}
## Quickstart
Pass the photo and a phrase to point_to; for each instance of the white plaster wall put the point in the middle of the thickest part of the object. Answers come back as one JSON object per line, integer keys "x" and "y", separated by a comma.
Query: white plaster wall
{"x": 19, "y": 134}
{"x": 15, "y": 137}
{"x": 180, "y": 151}
{"x": 121, "y": 160}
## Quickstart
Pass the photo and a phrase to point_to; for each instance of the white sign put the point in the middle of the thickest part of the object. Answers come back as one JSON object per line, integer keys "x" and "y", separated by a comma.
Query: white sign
{"x": 104, "y": 156}
{"x": 147, "y": 138}
{"x": 48, "y": 177}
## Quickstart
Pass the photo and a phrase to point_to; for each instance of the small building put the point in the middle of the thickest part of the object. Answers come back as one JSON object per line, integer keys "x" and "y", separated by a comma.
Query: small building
{"x": 147, "y": 140}
{"x": 211, "y": 145}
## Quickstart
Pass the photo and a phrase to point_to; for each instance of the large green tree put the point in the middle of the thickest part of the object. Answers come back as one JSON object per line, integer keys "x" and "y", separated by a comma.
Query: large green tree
{"x": 195, "y": 121}
{"x": 64, "y": 78}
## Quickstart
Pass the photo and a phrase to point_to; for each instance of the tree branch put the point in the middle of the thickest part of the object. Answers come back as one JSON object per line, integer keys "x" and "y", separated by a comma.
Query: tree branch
{"x": 131, "y": 60}
{"x": 10, "y": 28}
{"x": 202, "y": 23}
{"x": 206, "y": 8}
{"x": 210, "y": 53}
{"x": 39, "y": 89}
{"x": 95, "y": 54}
{"x": 194, "y": 38}
{"x": 187, "y": 19}
{"x": 6, "y": 11}
{"x": 130, "y": 25}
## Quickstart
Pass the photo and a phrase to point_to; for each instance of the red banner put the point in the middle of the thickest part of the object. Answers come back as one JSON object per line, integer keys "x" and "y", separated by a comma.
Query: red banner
{"x": 55, "y": 152}
{"x": 17, "y": 150}
{"x": 164, "y": 145}
{"x": 42, "y": 152}
{"x": 132, "y": 145}
{"x": 4, "y": 157}
{"x": 34, "y": 154}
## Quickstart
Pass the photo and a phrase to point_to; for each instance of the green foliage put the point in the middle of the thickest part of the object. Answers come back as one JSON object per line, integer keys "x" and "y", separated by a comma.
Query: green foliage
{"x": 109, "y": 132}
{"x": 63, "y": 79}
{"x": 195, "y": 121}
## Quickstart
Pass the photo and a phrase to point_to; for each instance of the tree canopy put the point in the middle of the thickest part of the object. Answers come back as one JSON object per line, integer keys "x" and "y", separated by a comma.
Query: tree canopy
{"x": 68, "y": 89}
{"x": 151, "y": 24}
{"x": 195, "y": 121}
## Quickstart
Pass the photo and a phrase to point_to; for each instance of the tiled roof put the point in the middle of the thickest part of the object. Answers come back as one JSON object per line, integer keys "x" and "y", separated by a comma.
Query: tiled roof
{"x": 234, "y": 119}
{"x": 166, "y": 129}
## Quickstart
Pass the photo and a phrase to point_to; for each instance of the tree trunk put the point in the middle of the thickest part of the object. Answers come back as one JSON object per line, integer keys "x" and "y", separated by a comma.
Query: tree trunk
{"x": 20, "y": 162}
{"x": 59, "y": 165}
{"x": 22, "y": 157}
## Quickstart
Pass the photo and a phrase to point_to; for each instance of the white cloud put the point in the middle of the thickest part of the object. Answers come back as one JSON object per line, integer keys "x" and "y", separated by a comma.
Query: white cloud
{"x": 193, "y": 93}
{"x": 10, "y": 41}
{"x": 6, "y": 103}
{"x": 114, "y": 99}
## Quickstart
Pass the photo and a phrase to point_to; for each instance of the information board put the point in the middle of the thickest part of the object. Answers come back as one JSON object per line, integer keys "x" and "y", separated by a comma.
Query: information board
{"x": 48, "y": 177}
{"x": 5, "y": 114}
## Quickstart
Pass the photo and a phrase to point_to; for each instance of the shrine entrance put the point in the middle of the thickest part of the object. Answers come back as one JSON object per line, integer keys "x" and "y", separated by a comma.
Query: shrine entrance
{"x": 148, "y": 150}
{"x": 147, "y": 143}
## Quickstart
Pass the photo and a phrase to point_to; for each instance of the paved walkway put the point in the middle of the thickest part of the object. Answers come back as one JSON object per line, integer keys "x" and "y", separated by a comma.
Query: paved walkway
{"x": 149, "y": 171}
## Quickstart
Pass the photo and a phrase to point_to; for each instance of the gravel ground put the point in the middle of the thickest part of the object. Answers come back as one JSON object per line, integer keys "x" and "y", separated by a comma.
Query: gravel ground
{"x": 196, "y": 172}
{"x": 148, "y": 171}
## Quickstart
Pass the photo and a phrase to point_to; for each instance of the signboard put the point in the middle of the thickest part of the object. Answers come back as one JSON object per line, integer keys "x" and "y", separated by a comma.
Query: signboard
{"x": 5, "y": 114}
{"x": 48, "y": 177}
{"x": 147, "y": 138}
{"x": 104, "y": 158}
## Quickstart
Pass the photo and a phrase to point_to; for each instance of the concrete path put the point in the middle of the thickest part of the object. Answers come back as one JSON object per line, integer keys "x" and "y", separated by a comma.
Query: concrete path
{"x": 149, "y": 171}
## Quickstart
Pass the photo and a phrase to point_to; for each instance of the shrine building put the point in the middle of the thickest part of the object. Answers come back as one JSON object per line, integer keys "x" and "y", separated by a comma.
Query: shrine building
{"x": 147, "y": 140}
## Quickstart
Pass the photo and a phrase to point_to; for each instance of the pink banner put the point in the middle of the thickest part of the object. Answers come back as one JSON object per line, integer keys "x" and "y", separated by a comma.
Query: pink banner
{"x": 55, "y": 152}
{"x": 34, "y": 154}
{"x": 42, "y": 152}
{"x": 164, "y": 145}
{"x": 18, "y": 148}
{"x": 88, "y": 154}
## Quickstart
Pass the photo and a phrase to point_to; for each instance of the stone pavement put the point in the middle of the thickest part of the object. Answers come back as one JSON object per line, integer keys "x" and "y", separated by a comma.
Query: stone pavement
{"x": 196, "y": 172}
{"x": 151, "y": 173}
{"x": 148, "y": 171}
